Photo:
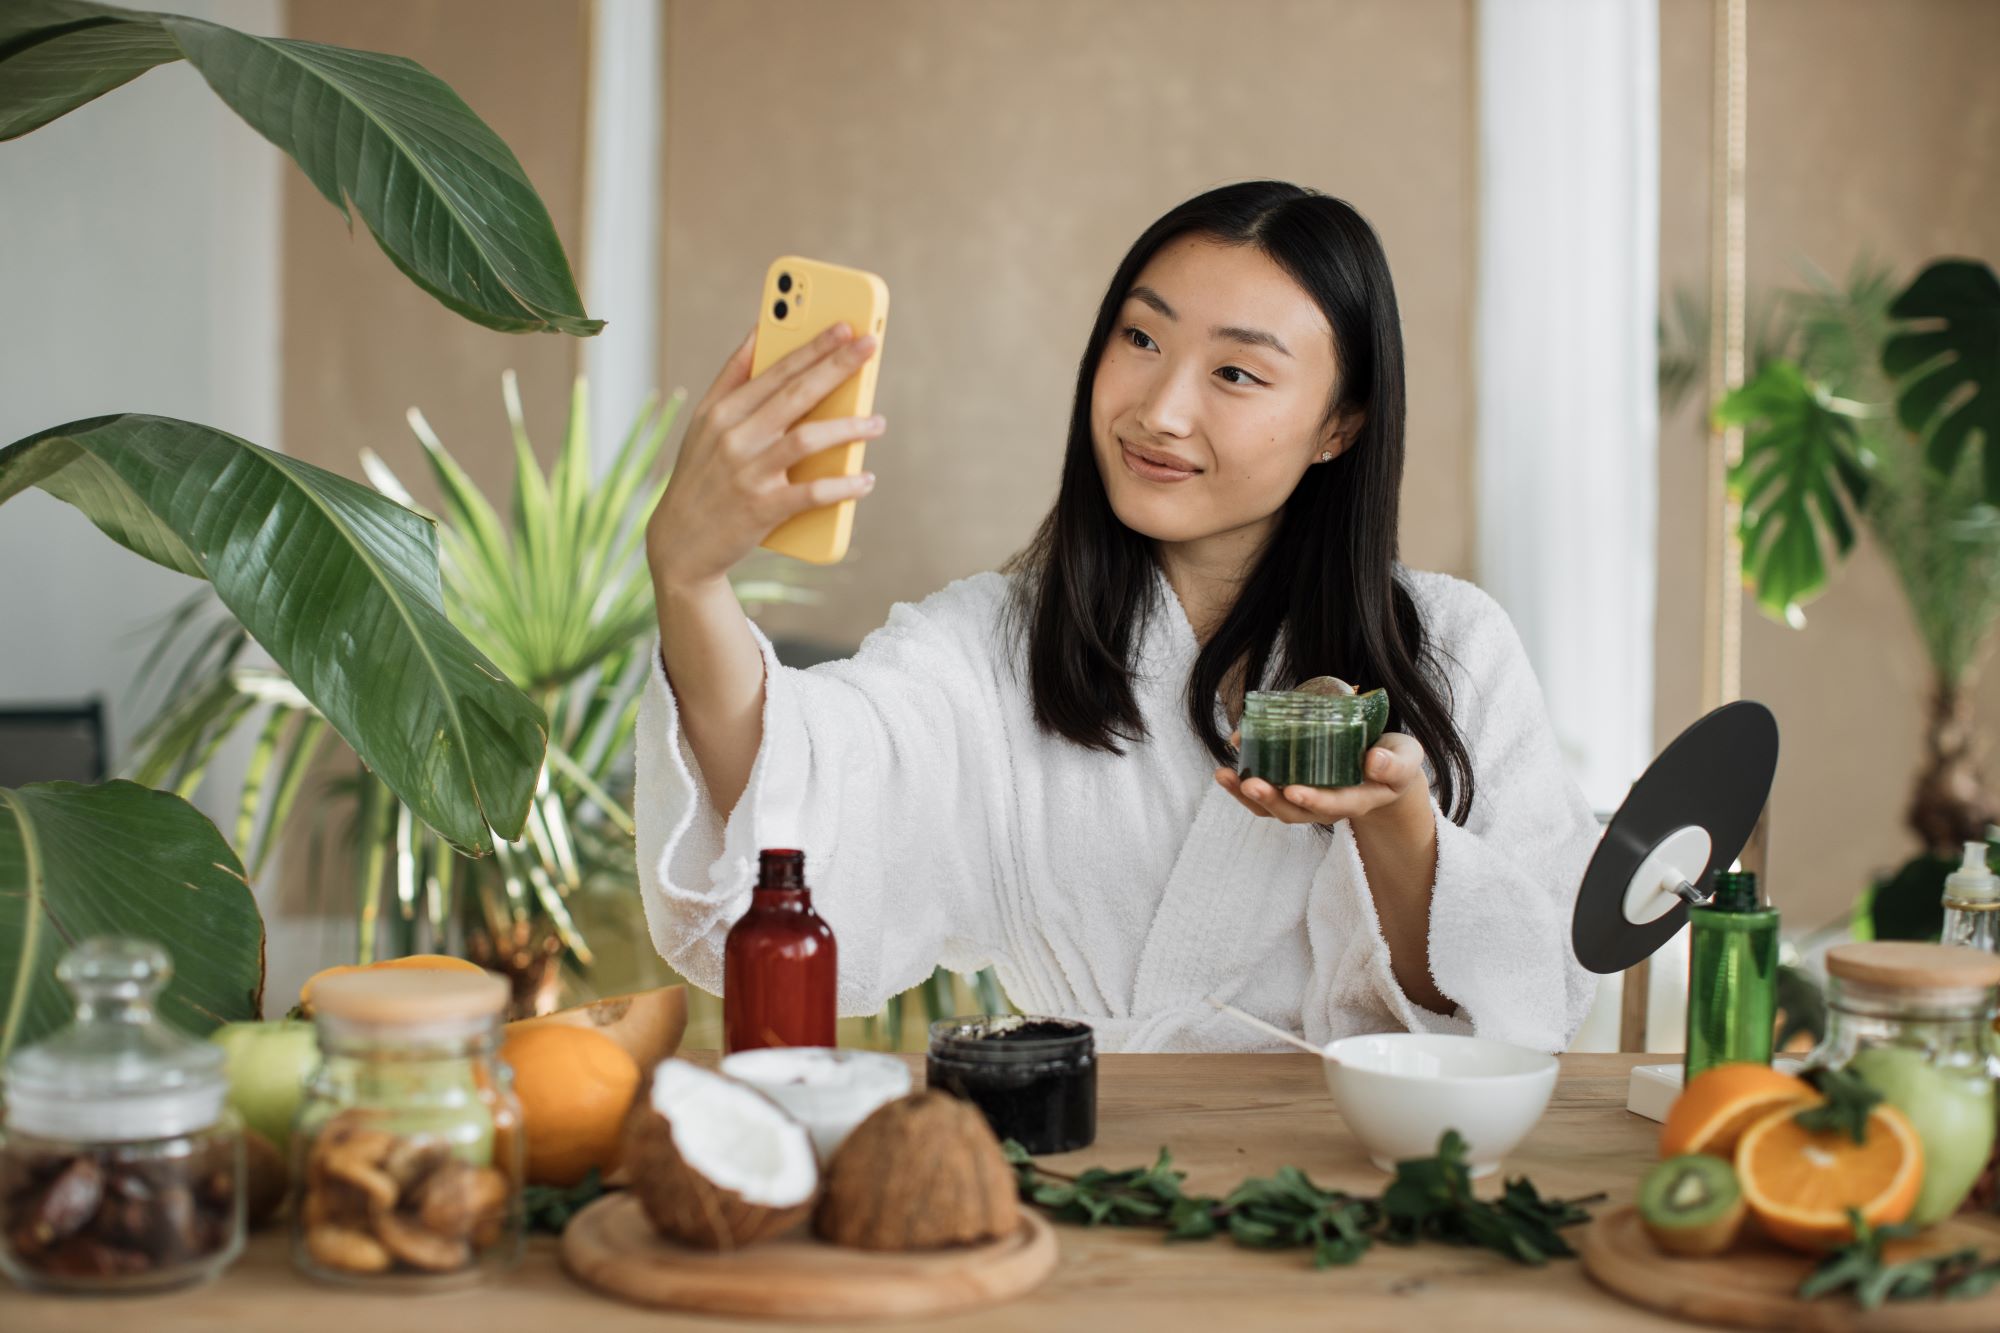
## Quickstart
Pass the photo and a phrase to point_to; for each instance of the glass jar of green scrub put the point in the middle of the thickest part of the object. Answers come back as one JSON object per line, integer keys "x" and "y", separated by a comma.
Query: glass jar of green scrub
{"x": 1916, "y": 1022}
{"x": 1312, "y": 740}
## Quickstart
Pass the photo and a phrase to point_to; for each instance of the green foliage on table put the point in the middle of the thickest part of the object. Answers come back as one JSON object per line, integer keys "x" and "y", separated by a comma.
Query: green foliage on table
{"x": 1860, "y": 1268}
{"x": 1431, "y": 1199}
{"x": 117, "y": 859}
{"x": 445, "y": 198}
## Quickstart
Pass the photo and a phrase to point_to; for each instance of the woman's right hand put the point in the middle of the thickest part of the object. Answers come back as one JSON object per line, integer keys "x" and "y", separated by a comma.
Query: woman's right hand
{"x": 729, "y": 489}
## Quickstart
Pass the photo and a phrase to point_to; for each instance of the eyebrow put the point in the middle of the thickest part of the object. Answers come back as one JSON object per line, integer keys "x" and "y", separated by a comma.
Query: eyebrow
{"x": 1234, "y": 333}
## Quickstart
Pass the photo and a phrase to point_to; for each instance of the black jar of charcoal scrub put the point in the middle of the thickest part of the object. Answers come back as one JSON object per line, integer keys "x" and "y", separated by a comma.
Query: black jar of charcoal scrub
{"x": 1034, "y": 1079}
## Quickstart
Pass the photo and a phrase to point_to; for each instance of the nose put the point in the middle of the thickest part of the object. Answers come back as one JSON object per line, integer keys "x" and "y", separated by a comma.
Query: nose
{"x": 1169, "y": 405}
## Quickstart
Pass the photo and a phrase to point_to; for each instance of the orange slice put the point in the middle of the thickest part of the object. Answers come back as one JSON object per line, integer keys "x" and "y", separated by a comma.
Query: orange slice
{"x": 1720, "y": 1103}
{"x": 1799, "y": 1184}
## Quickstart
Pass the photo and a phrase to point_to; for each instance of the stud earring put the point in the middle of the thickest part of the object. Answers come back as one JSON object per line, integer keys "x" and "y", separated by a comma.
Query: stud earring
{"x": 1326, "y": 457}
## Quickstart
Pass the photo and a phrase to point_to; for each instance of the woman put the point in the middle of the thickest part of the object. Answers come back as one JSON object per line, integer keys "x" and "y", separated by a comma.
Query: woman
{"x": 1030, "y": 768}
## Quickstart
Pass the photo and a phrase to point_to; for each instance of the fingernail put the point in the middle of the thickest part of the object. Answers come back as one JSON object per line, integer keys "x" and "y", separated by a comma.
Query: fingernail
{"x": 867, "y": 482}
{"x": 841, "y": 332}
{"x": 876, "y": 423}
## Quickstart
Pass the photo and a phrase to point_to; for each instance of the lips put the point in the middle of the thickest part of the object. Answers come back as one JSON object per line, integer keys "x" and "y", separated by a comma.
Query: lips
{"x": 1148, "y": 462}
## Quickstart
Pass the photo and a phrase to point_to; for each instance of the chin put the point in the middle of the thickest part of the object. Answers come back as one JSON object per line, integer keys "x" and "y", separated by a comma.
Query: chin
{"x": 1157, "y": 517}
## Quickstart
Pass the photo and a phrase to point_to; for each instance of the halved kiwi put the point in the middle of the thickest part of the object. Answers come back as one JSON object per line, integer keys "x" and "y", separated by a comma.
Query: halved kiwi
{"x": 1692, "y": 1205}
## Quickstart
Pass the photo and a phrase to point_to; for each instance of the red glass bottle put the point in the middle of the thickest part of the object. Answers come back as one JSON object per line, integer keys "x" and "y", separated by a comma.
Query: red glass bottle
{"x": 779, "y": 963}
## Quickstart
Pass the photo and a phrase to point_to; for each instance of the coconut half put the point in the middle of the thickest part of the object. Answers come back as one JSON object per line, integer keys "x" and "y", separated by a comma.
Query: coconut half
{"x": 828, "y": 1091}
{"x": 921, "y": 1173}
{"x": 714, "y": 1162}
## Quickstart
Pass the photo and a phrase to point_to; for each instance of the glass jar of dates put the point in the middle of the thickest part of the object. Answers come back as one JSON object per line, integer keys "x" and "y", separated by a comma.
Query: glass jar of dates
{"x": 406, "y": 1154}
{"x": 121, "y": 1166}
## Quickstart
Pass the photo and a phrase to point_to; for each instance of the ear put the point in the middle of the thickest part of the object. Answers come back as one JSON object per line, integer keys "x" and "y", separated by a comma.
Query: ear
{"x": 1338, "y": 435}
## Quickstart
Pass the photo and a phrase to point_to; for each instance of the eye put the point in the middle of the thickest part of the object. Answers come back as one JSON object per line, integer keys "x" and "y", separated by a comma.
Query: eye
{"x": 1137, "y": 338}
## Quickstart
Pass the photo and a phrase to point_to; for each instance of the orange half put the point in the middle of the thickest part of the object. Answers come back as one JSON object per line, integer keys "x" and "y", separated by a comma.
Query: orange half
{"x": 1720, "y": 1103}
{"x": 1799, "y": 1184}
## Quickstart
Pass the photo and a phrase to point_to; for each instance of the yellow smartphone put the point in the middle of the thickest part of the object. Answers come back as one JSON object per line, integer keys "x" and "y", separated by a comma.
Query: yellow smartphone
{"x": 802, "y": 299}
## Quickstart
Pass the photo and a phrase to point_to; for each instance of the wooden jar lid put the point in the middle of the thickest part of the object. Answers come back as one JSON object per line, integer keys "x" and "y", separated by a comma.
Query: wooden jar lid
{"x": 1908, "y": 965}
{"x": 410, "y": 997}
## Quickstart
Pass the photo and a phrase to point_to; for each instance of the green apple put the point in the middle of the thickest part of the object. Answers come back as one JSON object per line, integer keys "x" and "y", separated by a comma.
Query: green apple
{"x": 268, "y": 1064}
{"x": 1952, "y": 1110}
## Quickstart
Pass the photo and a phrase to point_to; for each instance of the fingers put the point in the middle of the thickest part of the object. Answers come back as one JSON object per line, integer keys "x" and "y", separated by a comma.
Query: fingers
{"x": 833, "y": 348}
{"x": 1229, "y": 782}
{"x": 782, "y": 408}
{"x": 801, "y": 496}
{"x": 811, "y": 437}
{"x": 1309, "y": 805}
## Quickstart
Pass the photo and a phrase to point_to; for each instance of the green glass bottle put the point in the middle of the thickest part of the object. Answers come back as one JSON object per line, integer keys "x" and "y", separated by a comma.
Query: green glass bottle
{"x": 1732, "y": 976}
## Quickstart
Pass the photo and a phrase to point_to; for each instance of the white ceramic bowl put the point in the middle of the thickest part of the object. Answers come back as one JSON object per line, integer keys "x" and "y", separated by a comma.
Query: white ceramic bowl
{"x": 828, "y": 1091}
{"x": 1400, "y": 1091}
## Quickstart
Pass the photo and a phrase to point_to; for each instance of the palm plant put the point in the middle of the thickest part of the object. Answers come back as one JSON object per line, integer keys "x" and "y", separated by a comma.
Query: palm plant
{"x": 1861, "y": 411}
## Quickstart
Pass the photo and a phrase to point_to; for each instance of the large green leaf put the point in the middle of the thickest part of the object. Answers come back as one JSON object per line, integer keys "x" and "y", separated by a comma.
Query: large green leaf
{"x": 1797, "y": 477}
{"x": 337, "y": 583}
{"x": 1948, "y": 373}
{"x": 55, "y": 55}
{"x": 119, "y": 859}
{"x": 445, "y": 198}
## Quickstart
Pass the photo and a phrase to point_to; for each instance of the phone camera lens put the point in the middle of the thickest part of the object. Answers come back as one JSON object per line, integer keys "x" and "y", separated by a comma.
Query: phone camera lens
{"x": 784, "y": 282}
{"x": 780, "y": 309}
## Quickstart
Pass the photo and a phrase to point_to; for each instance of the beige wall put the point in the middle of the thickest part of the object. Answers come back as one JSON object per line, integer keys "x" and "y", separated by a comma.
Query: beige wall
{"x": 362, "y": 342}
{"x": 993, "y": 162}
{"x": 1873, "y": 128}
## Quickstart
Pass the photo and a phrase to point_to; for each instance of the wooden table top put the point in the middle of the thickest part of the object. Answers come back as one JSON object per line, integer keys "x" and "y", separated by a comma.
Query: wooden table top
{"x": 1224, "y": 1117}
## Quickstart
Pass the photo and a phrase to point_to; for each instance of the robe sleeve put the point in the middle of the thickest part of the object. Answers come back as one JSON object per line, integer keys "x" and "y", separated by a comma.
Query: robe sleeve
{"x": 885, "y": 769}
{"x": 1507, "y": 878}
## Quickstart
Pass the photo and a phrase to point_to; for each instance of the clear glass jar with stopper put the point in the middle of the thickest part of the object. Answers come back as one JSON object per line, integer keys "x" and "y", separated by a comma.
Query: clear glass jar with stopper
{"x": 407, "y": 1149}
{"x": 121, "y": 1166}
{"x": 1915, "y": 1021}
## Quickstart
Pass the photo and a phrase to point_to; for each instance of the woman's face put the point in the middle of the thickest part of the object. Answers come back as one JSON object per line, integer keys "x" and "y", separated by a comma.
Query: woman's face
{"x": 1210, "y": 398}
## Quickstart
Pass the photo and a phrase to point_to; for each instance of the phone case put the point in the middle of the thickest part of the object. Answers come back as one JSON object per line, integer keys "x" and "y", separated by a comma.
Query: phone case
{"x": 815, "y": 296}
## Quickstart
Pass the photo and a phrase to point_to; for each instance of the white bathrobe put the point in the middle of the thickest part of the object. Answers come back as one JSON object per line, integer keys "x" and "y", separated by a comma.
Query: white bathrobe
{"x": 940, "y": 825}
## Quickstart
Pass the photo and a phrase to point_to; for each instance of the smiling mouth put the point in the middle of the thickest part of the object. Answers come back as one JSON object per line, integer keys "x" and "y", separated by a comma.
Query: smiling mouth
{"x": 1152, "y": 466}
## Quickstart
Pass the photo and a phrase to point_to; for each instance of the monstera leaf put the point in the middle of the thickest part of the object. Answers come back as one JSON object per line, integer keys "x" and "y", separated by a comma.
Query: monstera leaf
{"x": 1798, "y": 475}
{"x": 444, "y": 197}
{"x": 1948, "y": 373}
{"x": 339, "y": 585}
{"x": 119, "y": 859}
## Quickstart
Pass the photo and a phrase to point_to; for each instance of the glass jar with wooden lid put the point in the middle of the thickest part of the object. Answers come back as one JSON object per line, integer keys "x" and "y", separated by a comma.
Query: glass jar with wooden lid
{"x": 1915, "y": 1021}
{"x": 407, "y": 1150}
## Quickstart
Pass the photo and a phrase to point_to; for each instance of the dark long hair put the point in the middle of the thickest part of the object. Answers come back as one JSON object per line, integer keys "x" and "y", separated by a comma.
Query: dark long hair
{"x": 1326, "y": 586}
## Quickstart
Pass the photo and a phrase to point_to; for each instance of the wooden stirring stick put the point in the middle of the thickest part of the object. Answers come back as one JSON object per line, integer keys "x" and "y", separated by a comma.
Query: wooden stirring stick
{"x": 1271, "y": 1028}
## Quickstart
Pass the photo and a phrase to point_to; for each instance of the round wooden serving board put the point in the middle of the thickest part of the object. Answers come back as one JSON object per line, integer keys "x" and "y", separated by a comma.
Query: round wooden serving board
{"x": 1753, "y": 1285}
{"x": 611, "y": 1246}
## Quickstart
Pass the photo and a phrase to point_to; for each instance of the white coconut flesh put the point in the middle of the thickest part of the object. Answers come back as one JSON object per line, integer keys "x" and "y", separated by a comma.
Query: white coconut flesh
{"x": 735, "y": 1138}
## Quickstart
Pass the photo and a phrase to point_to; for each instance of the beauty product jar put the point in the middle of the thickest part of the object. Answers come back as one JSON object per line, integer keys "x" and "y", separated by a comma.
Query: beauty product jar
{"x": 1034, "y": 1079}
{"x": 406, "y": 1153}
{"x": 121, "y": 1166}
{"x": 1312, "y": 740}
{"x": 1915, "y": 1021}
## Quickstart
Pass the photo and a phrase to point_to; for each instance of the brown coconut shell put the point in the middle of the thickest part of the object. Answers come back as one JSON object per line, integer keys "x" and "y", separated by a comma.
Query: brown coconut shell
{"x": 684, "y": 1205}
{"x": 921, "y": 1173}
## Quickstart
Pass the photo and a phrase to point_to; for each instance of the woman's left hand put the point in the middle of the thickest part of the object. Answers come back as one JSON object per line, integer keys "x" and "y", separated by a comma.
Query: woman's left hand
{"x": 1393, "y": 779}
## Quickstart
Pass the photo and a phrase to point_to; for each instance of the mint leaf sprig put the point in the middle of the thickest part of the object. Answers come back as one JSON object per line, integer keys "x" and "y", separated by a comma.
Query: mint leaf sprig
{"x": 1858, "y": 1267}
{"x": 1849, "y": 1102}
{"x": 1431, "y": 1199}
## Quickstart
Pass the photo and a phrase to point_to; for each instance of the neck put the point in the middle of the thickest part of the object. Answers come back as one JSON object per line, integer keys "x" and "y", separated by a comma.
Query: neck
{"x": 1207, "y": 573}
